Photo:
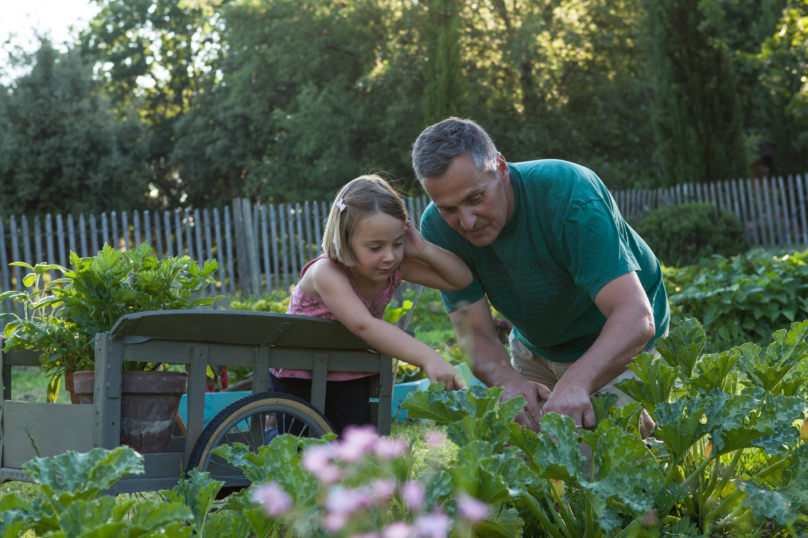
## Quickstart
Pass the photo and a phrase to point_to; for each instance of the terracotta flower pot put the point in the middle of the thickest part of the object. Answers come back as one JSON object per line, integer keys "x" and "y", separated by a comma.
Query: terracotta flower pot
{"x": 149, "y": 404}
{"x": 74, "y": 398}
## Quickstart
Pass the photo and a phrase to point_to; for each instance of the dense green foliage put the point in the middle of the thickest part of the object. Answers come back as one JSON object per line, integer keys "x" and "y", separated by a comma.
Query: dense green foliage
{"x": 729, "y": 458}
{"x": 683, "y": 234}
{"x": 741, "y": 299}
{"x": 696, "y": 110}
{"x": 61, "y": 148}
{"x": 62, "y": 317}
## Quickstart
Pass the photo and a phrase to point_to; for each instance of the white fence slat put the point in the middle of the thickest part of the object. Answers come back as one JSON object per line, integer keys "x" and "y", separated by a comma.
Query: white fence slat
{"x": 7, "y": 305}
{"x": 167, "y": 230}
{"x": 178, "y": 233}
{"x": 231, "y": 263}
{"x": 256, "y": 259}
{"x": 125, "y": 231}
{"x": 26, "y": 242}
{"x": 318, "y": 229}
{"x": 282, "y": 213}
{"x": 49, "y": 241}
{"x": 300, "y": 239}
{"x": 158, "y": 235}
{"x": 776, "y": 214}
{"x": 265, "y": 244}
{"x": 741, "y": 211}
{"x": 104, "y": 230}
{"x": 116, "y": 239}
{"x": 273, "y": 226}
{"x": 60, "y": 240}
{"x": 792, "y": 198}
{"x": 189, "y": 234}
{"x": 801, "y": 199}
{"x": 220, "y": 256}
{"x": 15, "y": 254}
{"x": 307, "y": 229}
{"x": 208, "y": 246}
{"x": 200, "y": 254}
{"x": 785, "y": 213}
{"x": 93, "y": 235}
{"x": 147, "y": 231}
{"x": 71, "y": 234}
{"x": 83, "y": 236}
{"x": 758, "y": 207}
{"x": 137, "y": 238}
{"x": 38, "y": 240}
{"x": 769, "y": 218}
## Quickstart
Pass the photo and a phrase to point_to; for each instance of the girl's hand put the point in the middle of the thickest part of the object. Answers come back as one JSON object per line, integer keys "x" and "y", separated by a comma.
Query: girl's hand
{"x": 440, "y": 370}
{"x": 414, "y": 242}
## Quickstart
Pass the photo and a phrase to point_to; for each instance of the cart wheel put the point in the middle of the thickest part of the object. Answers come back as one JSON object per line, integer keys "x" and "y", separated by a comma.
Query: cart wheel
{"x": 254, "y": 421}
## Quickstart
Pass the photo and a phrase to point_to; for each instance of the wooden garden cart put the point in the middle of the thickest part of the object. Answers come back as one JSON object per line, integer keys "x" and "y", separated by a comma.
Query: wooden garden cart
{"x": 196, "y": 339}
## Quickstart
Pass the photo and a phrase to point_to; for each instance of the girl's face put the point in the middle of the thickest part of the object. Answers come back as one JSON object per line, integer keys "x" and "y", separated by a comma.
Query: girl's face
{"x": 377, "y": 244}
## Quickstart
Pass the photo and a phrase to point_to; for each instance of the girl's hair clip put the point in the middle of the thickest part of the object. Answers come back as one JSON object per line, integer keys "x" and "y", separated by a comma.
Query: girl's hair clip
{"x": 341, "y": 205}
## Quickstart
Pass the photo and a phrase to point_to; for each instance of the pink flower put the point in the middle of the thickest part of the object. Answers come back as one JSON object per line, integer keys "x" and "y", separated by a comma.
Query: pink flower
{"x": 434, "y": 438}
{"x": 390, "y": 449}
{"x": 399, "y": 529}
{"x": 383, "y": 488}
{"x": 318, "y": 461}
{"x": 346, "y": 501}
{"x": 272, "y": 498}
{"x": 413, "y": 493}
{"x": 471, "y": 509}
{"x": 334, "y": 521}
{"x": 356, "y": 442}
{"x": 435, "y": 525}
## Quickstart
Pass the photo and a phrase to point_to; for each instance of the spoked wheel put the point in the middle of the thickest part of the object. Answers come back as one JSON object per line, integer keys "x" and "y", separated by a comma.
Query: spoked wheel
{"x": 253, "y": 421}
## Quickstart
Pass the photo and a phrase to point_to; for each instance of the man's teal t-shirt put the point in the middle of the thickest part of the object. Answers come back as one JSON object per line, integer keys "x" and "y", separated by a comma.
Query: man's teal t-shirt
{"x": 565, "y": 241}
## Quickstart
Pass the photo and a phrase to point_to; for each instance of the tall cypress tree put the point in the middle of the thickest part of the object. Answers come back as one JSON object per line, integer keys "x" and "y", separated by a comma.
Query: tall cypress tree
{"x": 443, "y": 91}
{"x": 696, "y": 111}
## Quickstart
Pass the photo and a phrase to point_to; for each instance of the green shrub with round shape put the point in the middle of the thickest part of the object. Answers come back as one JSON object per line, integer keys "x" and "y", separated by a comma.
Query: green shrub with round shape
{"x": 682, "y": 234}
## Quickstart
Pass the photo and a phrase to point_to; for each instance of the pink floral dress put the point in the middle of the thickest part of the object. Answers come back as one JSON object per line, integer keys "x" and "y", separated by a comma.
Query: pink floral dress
{"x": 304, "y": 304}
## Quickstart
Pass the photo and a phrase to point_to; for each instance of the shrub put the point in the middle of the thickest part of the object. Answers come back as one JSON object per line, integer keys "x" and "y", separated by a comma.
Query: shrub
{"x": 740, "y": 299}
{"x": 682, "y": 234}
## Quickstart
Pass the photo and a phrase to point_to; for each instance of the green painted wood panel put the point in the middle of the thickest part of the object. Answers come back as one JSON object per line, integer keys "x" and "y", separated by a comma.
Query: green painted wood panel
{"x": 56, "y": 428}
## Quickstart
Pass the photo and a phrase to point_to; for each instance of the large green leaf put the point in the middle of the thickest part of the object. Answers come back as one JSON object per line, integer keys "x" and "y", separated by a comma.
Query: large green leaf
{"x": 654, "y": 383}
{"x": 682, "y": 347}
{"x": 227, "y": 526}
{"x": 507, "y": 524}
{"x": 152, "y": 516}
{"x": 99, "y": 518}
{"x": 71, "y": 475}
{"x": 197, "y": 492}
{"x": 557, "y": 455}
{"x": 680, "y": 424}
{"x": 787, "y": 351}
{"x": 447, "y": 407}
{"x": 712, "y": 370}
{"x": 784, "y": 503}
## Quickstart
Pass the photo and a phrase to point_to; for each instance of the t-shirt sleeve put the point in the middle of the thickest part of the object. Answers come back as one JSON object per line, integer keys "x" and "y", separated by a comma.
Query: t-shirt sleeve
{"x": 452, "y": 300}
{"x": 593, "y": 249}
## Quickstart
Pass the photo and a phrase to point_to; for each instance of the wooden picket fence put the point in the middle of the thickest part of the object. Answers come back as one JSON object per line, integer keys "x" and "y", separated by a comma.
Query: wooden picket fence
{"x": 259, "y": 247}
{"x": 772, "y": 210}
{"x": 262, "y": 247}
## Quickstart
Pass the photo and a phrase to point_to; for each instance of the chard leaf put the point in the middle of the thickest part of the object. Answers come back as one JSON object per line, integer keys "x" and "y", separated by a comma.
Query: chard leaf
{"x": 279, "y": 461}
{"x": 783, "y": 504}
{"x": 71, "y": 475}
{"x": 682, "y": 347}
{"x": 787, "y": 351}
{"x": 440, "y": 406}
{"x": 559, "y": 459}
{"x": 727, "y": 418}
{"x": 712, "y": 370}
{"x": 101, "y": 518}
{"x": 227, "y": 526}
{"x": 151, "y": 516}
{"x": 507, "y": 524}
{"x": 14, "y": 523}
{"x": 654, "y": 383}
{"x": 777, "y": 416}
{"x": 602, "y": 402}
{"x": 197, "y": 492}
{"x": 680, "y": 424}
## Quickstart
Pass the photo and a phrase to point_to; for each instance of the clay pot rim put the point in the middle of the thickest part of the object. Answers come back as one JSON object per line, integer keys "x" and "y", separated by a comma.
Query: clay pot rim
{"x": 136, "y": 382}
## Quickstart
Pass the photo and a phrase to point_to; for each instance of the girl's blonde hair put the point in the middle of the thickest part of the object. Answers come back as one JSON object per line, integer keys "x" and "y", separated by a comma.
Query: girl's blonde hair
{"x": 361, "y": 197}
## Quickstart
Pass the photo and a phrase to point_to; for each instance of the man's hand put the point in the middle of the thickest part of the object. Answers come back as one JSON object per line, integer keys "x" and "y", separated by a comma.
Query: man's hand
{"x": 534, "y": 393}
{"x": 573, "y": 401}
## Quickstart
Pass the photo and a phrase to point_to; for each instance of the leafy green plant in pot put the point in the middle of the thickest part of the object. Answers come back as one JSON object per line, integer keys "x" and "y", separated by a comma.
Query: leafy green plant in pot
{"x": 89, "y": 300}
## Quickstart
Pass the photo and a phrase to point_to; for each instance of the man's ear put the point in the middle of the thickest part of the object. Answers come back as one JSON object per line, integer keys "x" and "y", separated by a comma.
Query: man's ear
{"x": 502, "y": 167}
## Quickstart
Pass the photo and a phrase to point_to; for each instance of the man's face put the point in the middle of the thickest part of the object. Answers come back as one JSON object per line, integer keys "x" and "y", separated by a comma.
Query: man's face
{"x": 476, "y": 204}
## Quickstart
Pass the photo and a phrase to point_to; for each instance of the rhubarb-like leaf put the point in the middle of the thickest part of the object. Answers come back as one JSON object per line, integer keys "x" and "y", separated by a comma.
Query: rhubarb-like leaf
{"x": 507, "y": 524}
{"x": 558, "y": 457}
{"x": 654, "y": 383}
{"x": 681, "y": 349}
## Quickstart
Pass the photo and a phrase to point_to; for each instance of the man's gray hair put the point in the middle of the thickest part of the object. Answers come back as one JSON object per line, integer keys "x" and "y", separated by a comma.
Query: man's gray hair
{"x": 438, "y": 145}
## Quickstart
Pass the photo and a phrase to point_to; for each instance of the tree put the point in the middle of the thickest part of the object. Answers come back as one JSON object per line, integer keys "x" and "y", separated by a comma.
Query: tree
{"x": 61, "y": 147}
{"x": 696, "y": 109}
{"x": 444, "y": 72}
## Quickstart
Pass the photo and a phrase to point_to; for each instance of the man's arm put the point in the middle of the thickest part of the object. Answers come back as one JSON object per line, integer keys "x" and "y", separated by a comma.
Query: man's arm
{"x": 478, "y": 339}
{"x": 629, "y": 326}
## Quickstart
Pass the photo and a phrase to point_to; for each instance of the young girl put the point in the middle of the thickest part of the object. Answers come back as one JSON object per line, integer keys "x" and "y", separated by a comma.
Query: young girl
{"x": 370, "y": 246}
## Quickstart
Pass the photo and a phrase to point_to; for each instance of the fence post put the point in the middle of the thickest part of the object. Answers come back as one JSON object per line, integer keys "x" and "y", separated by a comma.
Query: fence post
{"x": 243, "y": 262}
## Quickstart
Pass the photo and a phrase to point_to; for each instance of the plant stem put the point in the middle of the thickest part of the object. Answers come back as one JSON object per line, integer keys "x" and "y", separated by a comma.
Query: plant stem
{"x": 535, "y": 508}
{"x": 729, "y": 472}
{"x": 622, "y": 534}
{"x": 694, "y": 474}
{"x": 770, "y": 469}
{"x": 732, "y": 522}
{"x": 558, "y": 519}
{"x": 721, "y": 508}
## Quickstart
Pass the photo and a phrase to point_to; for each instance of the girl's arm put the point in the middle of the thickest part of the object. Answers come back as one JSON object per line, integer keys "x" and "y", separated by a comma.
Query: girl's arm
{"x": 335, "y": 289}
{"x": 428, "y": 264}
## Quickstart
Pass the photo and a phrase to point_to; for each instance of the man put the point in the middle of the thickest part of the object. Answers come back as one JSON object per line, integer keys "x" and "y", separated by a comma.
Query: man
{"x": 549, "y": 249}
